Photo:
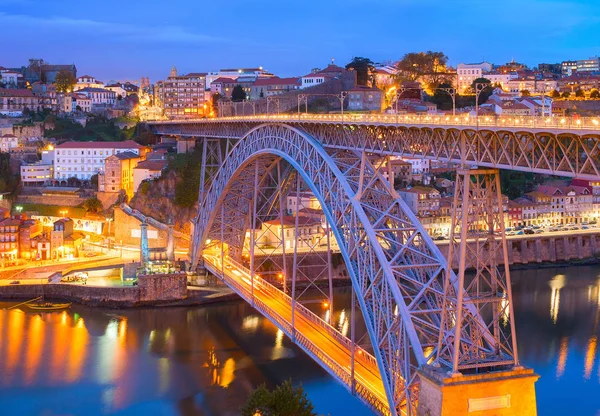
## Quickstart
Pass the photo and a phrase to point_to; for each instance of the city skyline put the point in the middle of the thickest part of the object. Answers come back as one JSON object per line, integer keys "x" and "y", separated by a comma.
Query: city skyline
{"x": 126, "y": 41}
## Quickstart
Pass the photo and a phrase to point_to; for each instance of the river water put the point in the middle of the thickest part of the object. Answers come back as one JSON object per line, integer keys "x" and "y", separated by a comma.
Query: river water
{"x": 205, "y": 360}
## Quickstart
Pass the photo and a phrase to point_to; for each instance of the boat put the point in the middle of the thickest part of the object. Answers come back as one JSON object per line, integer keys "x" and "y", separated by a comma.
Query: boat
{"x": 48, "y": 306}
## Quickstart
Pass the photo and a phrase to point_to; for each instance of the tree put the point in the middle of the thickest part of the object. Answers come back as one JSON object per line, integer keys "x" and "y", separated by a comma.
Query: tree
{"x": 238, "y": 94}
{"x": 525, "y": 93}
{"x": 595, "y": 94}
{"x": 92, "y": 204}
{"x": 483, "y": 85}
{"x": 441, "y": 98}
{"x": 555, "y": 94}
{"x": 285, "y": 400}
{"x": 78, "y": 108}
{"x": 94, "y": 181}
{"x": 566, "y": 94}
{"x": 64, "y": 81}
{"x": 365, "y": 70}
{"x": 414, "y": 66}
{"x": 579, "y": 93}
{"x": 215, "y": 102}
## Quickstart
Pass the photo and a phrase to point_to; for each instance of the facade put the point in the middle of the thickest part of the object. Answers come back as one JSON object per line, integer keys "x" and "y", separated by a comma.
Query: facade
{"x": 310, "y": 233}
{"x": 318, "y": 77}
{"x": 148, "y": 169}
{"x": 28, "y": 232}
{"x": 82, "y": 160}
{"x": 9, "y": 239}
{"x": 65, "y": 243}
{"x": 118, "y": 173}
{"x": 588, "y": 65}
{"x": 182, "y": 96}
{"x": 298, "y": 201}
{"x": 117, "y": 89}
{"x": 99, "y": 96}
{"x": 82, "y": 101}
{"x": 267, "y": 87}
{"x": 423, "y": 201}
{"x": 7, "y": 142}
{"x": 14, "y": 101}
{"x": 37, "y": 174}
{"x": 87, "y": 81}
{"x": 467, "y": 73}
{"x": 568, "y": 67}
{"x": 361, "y": 98}
{"x": 256, "y": 73}
{"x": 10, "y": 78}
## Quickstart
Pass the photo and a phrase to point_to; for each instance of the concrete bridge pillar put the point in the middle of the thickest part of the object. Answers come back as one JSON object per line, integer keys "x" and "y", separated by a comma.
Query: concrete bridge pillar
{"x": 580, "y": 254}
{"x": 538, "y": 250}
{"x": 524, "y": 254}
{"x": 500, "y": 393}
{"x": 170, "y": 242}
{"x": 144, "y": 249}
{"x": 566, "y": 248}
{"x": 552, "y": 249}
{"x": 593, "y": 246}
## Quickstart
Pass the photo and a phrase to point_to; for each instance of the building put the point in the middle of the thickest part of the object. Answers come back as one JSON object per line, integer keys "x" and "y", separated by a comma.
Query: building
{"x": 10, "y": 79}
{"x": 256, "y": 73}
{"x": 9, "y": 239}
{"x": 588, "y": 65}
{"x": 422, "y": 201}
{"x": 310, "y": 233}
{"x": 65, "y": 243}
{"x": 467, "y": 73}
{"x": 568, "y": 68}
{"x": 82, "y": 160}
{"x": 37, "y": 174}
{"x": 14, "y": 101}
{"x": 267, "y": 87}
{"x": 305, "y": 199}
{"x": 148, "y": 169}
{"x": 81, "y": 102}
{"x": 87, "y": 81}
{"x": 317, "y": 77}
{"x": 28, "y": 231}
{"x": 99, "y": 97}
{"x": 7, "y": 142}
{"x": 118, "y": 173}
{"x": 223, "y": 86}
{"x": 117, "y": 89}
{"x": 362, "y": 98}
{"x": 182, "y": 96}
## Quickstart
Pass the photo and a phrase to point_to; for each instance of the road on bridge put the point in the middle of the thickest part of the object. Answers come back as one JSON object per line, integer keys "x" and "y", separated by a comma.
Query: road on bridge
{"x": 320, "y": 335}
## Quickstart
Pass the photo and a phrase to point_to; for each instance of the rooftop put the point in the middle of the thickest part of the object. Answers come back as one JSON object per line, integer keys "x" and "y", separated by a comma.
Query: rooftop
{"x": 153, "y": 165}
{"x": 128, "y": 144}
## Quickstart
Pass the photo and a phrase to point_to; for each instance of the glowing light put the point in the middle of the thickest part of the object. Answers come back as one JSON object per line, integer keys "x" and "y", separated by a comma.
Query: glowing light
{"x": 325, "y": 305}
{"x": 562, "y": 357}
{"x": 590, "y": 357}
{"x": 556, "y": 284}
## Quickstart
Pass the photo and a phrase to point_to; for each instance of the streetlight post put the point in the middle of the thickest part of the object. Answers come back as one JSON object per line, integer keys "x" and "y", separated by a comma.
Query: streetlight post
{"x": 302, "y": 99}
{"x": 452, "y": 93}
{"x": 342, "y": 98}
{"x": 479, "y": 87}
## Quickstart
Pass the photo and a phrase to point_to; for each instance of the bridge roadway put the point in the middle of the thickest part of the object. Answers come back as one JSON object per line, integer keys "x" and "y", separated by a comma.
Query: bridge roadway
{"x": 311, "y": 333}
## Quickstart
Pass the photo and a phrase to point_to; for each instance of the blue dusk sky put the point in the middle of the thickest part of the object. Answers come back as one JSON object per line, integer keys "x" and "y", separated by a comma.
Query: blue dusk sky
{"x": 127, "y": 39}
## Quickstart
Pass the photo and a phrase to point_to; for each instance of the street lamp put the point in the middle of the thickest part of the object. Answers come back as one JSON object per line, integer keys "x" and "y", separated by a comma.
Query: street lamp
{"x": 19, "y": 208}
{"x": 452, "y": 93}
{"x": 479, "y": 87}
{"x": 63, "y": 212}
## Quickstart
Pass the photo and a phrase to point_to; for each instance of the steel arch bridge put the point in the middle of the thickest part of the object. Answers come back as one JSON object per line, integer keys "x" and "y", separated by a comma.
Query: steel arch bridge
{"x": 400, "y": 277}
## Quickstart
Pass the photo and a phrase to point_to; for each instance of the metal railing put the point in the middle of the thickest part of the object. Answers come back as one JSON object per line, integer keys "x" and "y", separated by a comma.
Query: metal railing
{"x": 463, "y": 120}
{"x": 341, "y": 372}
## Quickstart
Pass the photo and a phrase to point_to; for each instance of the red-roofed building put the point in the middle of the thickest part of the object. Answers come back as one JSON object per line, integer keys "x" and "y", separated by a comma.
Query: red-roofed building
{"x": 148, "y": 169}
{"x": 16, "y": 100}
{"x": 82, "y": 160}
{"x": 87, "y": 81}
{"x": 266, "y": 87}
{"x": 310, "y": 233}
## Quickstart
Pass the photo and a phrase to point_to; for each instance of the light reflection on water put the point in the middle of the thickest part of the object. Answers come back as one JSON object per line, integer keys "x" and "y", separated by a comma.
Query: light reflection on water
{"x": 206, "y": 360}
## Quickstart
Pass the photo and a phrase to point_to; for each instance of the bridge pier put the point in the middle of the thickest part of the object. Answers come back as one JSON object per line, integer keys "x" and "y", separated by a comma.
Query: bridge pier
{"x": 501, "y": 393}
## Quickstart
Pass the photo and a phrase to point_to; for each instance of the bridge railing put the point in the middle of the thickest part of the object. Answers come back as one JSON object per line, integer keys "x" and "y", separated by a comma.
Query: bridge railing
{"x": 340, "y": 371}
{"x": 535, "y": 122}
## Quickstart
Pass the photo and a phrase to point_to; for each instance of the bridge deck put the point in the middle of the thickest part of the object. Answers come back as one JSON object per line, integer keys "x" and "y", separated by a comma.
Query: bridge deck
{"x": 327, "y": 346}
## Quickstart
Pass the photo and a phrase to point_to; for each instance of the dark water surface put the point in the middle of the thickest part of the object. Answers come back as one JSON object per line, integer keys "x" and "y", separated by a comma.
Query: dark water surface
{"x": 205, "y": 360}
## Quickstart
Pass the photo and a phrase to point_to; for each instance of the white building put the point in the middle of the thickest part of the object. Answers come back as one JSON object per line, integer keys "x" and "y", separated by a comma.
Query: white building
{"x": 419, "y": 165}
{"x": 117, "y": 89}
{"x": 82, "y": 160}
{"x": 10, "y": 78}
{"x": 589, "y": 65}
{"x": 311, "y": 80}
{"x": 235, "y": 74}
{"x": 81, "y": 101}
{"x": 87, "y": 81}
{"x": 39, "y": 173}
{"x": 467, "y": 73}
{"x": 99, "y": 96}
{"x": 298, "y": 201}
{"x": 148, "y": 169}
{"x": 7, "y": 142}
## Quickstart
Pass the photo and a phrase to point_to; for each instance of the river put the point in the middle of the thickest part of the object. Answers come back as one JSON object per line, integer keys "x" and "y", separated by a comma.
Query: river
{"x": 205, "y": 360}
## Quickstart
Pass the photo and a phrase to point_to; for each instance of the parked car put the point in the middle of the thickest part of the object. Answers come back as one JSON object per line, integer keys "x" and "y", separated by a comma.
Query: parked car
{"x": 15, "y": 282}
{"x": 528, "y": 231}
{"x": 519, "y": 233}
{"x": 585, "y": 227}
{"x": 539, "y": 231}
{"x": 439, "y": 238}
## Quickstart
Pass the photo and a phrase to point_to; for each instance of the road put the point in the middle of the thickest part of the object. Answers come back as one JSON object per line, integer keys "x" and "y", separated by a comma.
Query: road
{"x": 322, "y": 337}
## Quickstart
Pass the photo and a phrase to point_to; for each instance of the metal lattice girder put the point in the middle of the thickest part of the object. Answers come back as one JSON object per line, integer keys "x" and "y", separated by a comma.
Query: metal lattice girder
{"x": 477, "y": 240}
{"x": 396, "y": 270}
{"x": 561, "y": 152}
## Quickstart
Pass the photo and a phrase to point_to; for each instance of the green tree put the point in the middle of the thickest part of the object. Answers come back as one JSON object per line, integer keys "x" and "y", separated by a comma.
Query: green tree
{"x": 94, "y": 181}
{"x": 595, "y": 94}
{"x": 92, "y": 204}
{"x": 284, "y": 400}
{"x": 365, "y": 70}
{"x": 238, "y": 94}
{"x": 64, "y": 81}
{"x": 525, "y": 93}
{"x": 441, "y": 98}
{"x": 579, "y": 93}
{"x": 414, "y": 66}
{"x": 555, "y": 94}
{"x": 566, "y": 94}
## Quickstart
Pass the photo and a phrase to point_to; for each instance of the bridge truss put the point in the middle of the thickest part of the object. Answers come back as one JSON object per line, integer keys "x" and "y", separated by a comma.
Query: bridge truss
{"x": 406, "y": 292}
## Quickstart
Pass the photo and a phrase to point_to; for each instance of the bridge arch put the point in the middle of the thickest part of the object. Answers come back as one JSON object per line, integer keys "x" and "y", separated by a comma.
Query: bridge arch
{"x": 396, "y": 270}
